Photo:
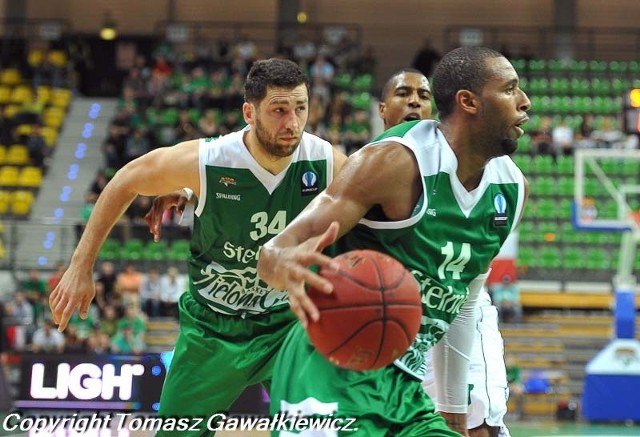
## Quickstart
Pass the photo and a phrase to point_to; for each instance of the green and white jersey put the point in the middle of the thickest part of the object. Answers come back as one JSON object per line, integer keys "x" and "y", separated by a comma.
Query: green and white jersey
{"x": 242, "y": 206}
{"x": 453, "y": 234}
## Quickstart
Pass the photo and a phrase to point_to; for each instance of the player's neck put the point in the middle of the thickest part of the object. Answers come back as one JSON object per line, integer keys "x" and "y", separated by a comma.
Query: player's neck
{"x": 271, "y": 163}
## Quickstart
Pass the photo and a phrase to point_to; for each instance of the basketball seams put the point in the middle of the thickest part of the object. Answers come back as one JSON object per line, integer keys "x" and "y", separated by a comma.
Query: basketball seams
{"x": 372, "y": 300}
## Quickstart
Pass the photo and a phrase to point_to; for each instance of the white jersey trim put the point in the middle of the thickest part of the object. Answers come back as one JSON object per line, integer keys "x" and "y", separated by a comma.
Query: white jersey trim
{"x": 230, "y": 151}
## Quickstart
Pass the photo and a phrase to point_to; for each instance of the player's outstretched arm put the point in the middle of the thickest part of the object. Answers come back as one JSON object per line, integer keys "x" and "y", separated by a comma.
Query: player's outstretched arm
{"x": 372, "y": 176}
{"x": 158, "y": 172}
{"x": 153, "y": 217}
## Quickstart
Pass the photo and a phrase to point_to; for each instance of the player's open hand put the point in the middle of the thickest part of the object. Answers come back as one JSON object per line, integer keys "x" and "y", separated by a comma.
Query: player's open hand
{"x": 76, "y": 290}
{"x": 287, "y": 268}
{"x": 160, "y": 205}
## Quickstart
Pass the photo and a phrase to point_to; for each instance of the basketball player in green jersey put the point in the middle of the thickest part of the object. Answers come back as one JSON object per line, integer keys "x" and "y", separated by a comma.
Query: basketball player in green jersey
{"x": 249, "y": 185}
{"x": 441, "y": 198}
{"x": 407, "y": 96}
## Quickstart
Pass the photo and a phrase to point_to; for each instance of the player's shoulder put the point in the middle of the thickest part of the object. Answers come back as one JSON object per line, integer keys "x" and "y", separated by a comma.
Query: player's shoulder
{"x": 410, "y": 130}
{"x": 312, "y": 147}
{"x": 503, "y": 168}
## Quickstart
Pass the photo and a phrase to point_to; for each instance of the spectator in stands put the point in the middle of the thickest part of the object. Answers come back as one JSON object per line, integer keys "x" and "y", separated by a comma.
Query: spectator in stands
{"x": 234, "y": 92}
{"x": 184, "y": 128}
{"x": 208, "y": 125}
{"x": 128, "y": 285}
{"x": 125, "y": 342}
{"x": 47, "y": 339}
{"x": 7, "y": 134}
{"x": 426, "y": 58}
{"x": 55, "y": 277}
{"x": 150, "y": 293}
{"x": 516, "y": 386}
{"x": 542, "y": 139}
{"x": 21, "y": 316}
{"x": 134, "y": 320}
{"x": 562, "y": 136}
{"x": 137, "y": 144}
{"x": 609, "y": 136}
{"x": 37, "y": 146}
{"x": 109, "y": 321}
{"x": 31, "y": 110}
{"x": 246, "y": 51}
{"x": 105, "y": 280}
{"x": 99, "y": 183}
{"x": 366, "y": 62}
{"x": 171, "y": 287}
{"x": 357, "y": 131}
{"x": 73, "y": 343}
{"x": 506, "y": 297}
{"x": 584, "y": 139}
{"x": 36, "y": 293}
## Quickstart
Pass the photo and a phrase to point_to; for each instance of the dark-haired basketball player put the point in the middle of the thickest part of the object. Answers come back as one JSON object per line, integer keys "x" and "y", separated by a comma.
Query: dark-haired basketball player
{"x": 441, "y": 198}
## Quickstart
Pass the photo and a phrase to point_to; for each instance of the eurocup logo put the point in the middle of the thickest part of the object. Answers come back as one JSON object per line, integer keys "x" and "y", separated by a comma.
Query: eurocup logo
{"x": 309, "y": 179}
{"x": 309, "y": 183}
{"x": 500, "y": 204}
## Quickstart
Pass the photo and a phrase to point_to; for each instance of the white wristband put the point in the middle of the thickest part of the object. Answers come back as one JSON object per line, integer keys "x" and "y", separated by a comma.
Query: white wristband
{"x": 189, "y": 192}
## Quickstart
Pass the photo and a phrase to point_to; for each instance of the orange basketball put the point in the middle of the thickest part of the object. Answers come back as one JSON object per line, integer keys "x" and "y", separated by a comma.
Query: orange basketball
{"x": 373, "y": 314}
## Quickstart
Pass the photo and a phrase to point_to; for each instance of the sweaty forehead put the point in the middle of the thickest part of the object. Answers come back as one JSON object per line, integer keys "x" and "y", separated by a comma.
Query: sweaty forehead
{"x": 286, "y": 95}
{"x": 412, "y": 80}
{"x": 501, "y": 69}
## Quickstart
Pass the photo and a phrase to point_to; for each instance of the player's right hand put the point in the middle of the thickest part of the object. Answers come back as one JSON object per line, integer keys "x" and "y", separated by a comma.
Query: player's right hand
{"x": 177, "y": 200}
{"x": 287, "y": 268}
{"x": 75, "y": 290}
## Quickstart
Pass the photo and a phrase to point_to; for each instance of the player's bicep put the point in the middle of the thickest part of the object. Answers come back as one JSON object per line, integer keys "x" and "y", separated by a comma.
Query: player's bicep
{"x": 164, "y": 170}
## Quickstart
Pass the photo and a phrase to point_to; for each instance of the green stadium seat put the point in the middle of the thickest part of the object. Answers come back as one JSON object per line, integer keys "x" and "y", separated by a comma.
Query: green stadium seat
{"x": 565, "y": 165}
{"x": 544, "y": 186}
{"x": 550, "y": 257}
{"x": 520, "y": 65}
{"x": 600, "y": 87}
{"x": 537, "y": 66}
{"x": 342, "y": 81}
{"x": 539, "y": 86}
{"x": 155, "y": 250}
{"x": 132, "y": 250}
{"x": 527, "y": 257}
{"x": 617, "y": 67}
{"x": 559, "y": 86}
{"x": 565, "y": 186}
{"x": 580, "y": 87}
{"x": 110, "y": 250}
{"x": 363, "y": 83}
{"x": 597, "y": 67}
{"x": 633, "y": 67}
{"x": 179, "y": 250}
{"x": 543, "y": 164}
{"x": 546, "y": 209}
{"x": 526, "y": 231}
{"x": 573, "y": 258}
{"x": 524, "y": 162}
{"x": 578, "y": 66}
{"x": 598, "y": 259}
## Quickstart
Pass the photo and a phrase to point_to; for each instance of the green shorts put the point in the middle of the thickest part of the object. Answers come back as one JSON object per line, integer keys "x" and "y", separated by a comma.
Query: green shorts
{"x": 384, "y": 402}
{"x": 217, "y": 356}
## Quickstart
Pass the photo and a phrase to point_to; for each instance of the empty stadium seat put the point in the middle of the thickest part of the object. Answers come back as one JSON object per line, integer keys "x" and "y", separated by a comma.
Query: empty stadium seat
{"x": 17, "y": 154}
{"x": 21, "y": 202}
{"x": 9, "y": 176}
{"x": 30, "y": 177}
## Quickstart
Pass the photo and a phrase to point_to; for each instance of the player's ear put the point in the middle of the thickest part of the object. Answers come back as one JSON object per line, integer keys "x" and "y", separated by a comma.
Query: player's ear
{"x": 467, "y": 100}
{"x": 381, "y": 109}
{"x": 248, "y": 112}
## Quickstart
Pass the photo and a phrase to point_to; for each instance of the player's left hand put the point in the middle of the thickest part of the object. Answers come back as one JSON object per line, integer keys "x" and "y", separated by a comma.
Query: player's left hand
{"x": 159, "y": 206}
{"x": 287, "y": 268}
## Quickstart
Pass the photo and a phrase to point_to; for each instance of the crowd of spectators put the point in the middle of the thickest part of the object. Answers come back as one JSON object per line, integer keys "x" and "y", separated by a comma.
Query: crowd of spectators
{"x": 558, "y": 137}
{"x": 125, "y": 299}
